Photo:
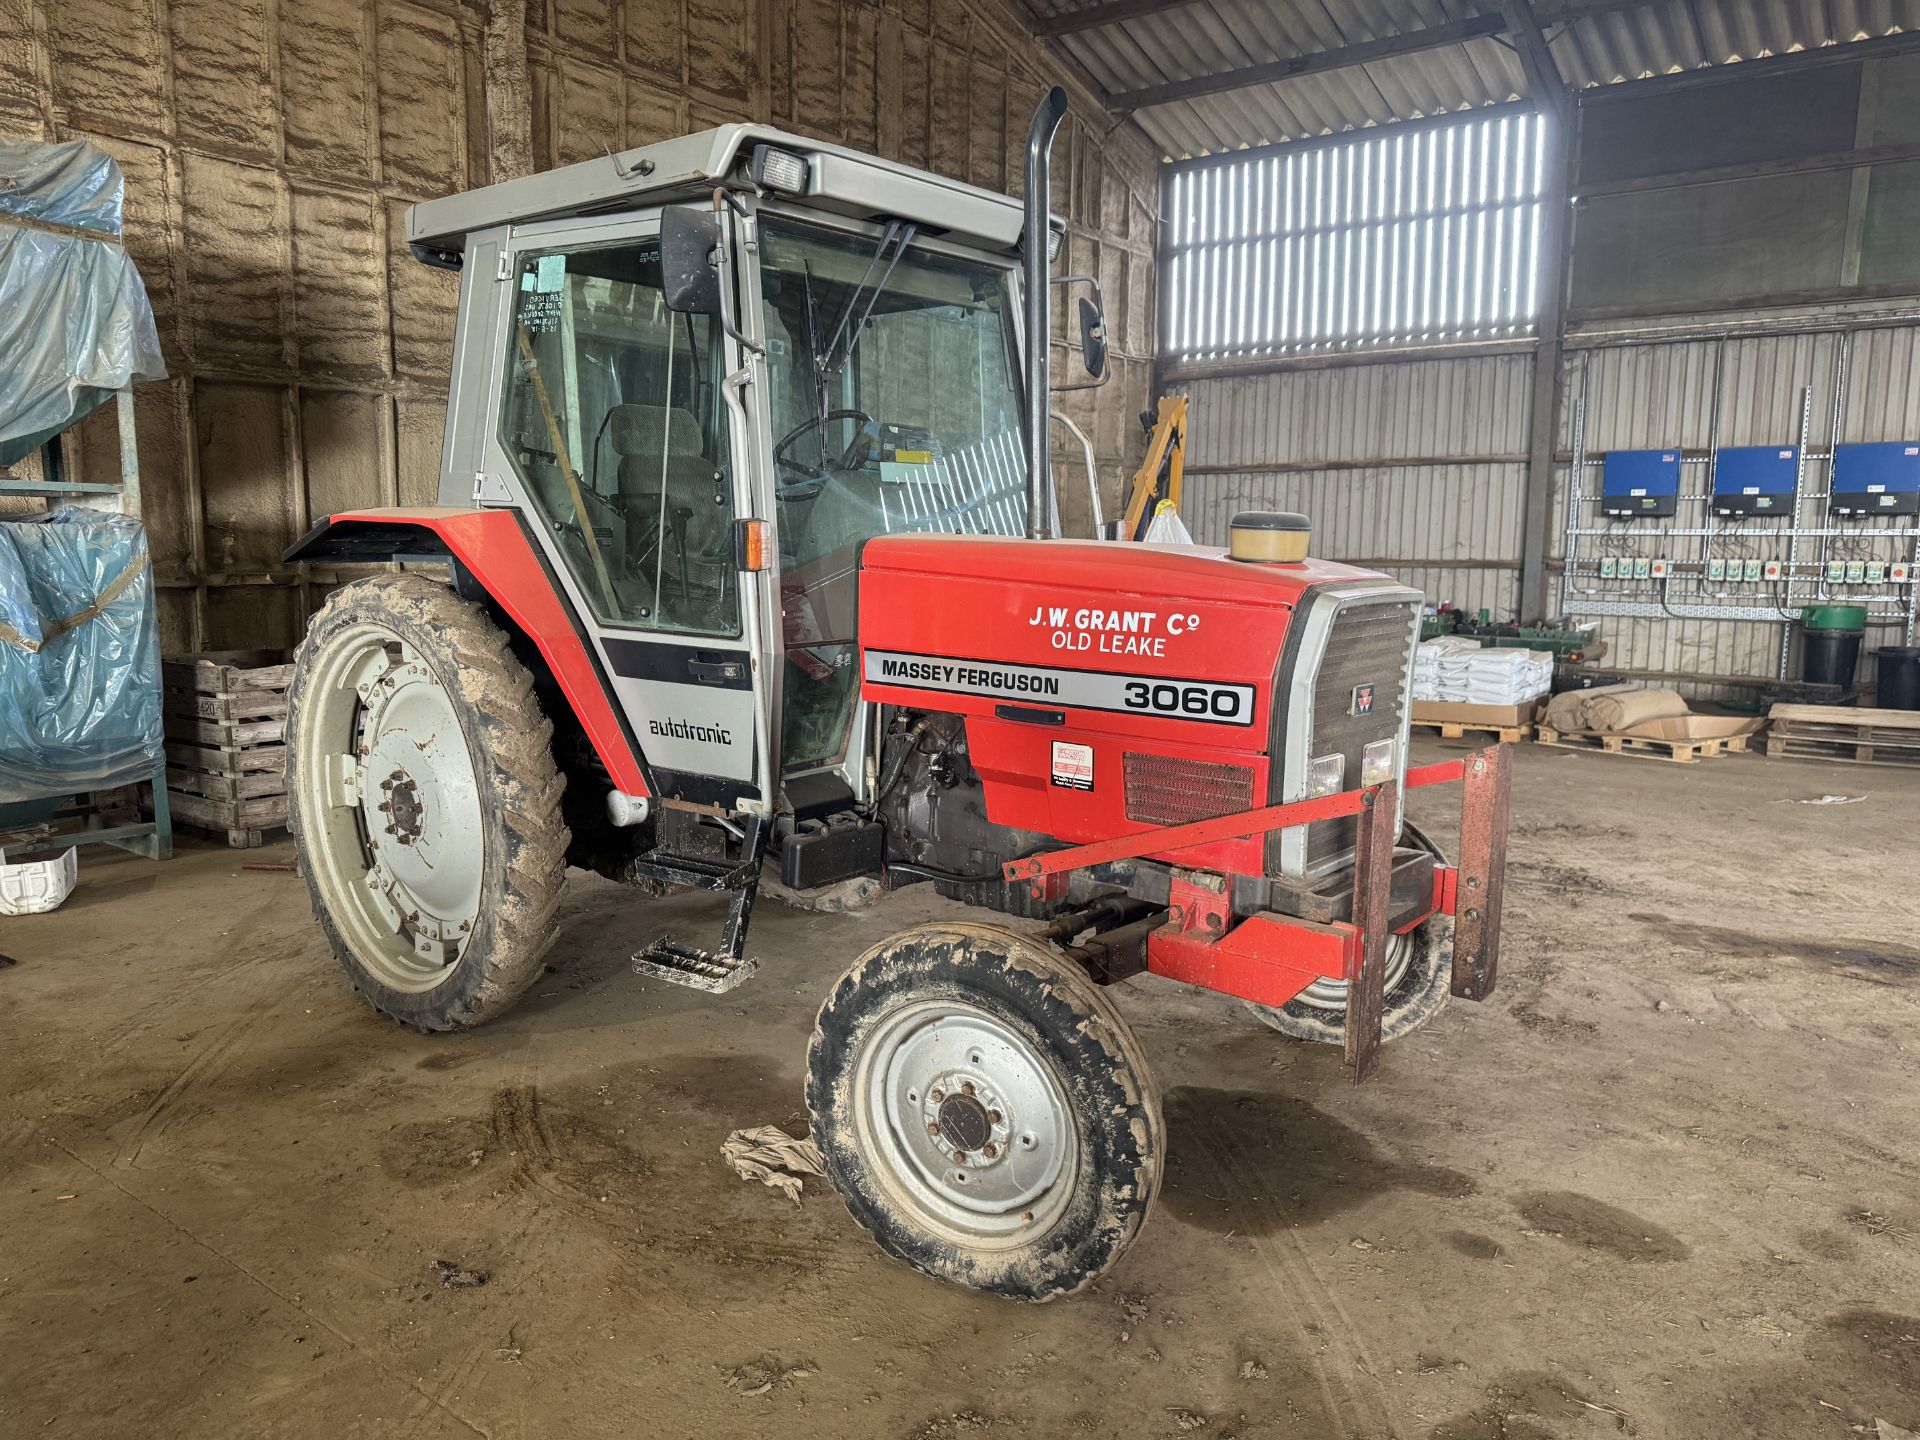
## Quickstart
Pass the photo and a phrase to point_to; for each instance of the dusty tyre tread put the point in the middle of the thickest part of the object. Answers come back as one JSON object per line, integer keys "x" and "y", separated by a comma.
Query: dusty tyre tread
{"x": 1421, "y": 994}
{"x": 1088, "y": 1015}
{"x": 493, "y": 694}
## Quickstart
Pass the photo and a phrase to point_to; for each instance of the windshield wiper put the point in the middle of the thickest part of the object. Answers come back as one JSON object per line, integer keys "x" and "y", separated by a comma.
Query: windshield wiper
{"x": 899, "y": 234}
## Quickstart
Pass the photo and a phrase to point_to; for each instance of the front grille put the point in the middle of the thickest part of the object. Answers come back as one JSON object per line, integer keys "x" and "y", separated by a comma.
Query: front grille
{"x": 1165, "y": 790}
{"x": 1366, "y": 646}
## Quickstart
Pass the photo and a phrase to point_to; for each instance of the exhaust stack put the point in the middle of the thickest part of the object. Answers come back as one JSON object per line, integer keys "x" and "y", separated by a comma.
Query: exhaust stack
{"x": 1039, "y": 237}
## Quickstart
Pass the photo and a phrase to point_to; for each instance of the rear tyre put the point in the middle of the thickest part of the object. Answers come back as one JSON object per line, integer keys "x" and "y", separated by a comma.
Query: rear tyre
{"x": 985, "y": 1111}
{"x": 424, "y": 802}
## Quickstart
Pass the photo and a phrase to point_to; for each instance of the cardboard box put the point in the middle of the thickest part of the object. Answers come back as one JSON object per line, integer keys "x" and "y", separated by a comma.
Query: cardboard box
{"x": 1440, "y": 712}
{"x": 1692, "y": 727}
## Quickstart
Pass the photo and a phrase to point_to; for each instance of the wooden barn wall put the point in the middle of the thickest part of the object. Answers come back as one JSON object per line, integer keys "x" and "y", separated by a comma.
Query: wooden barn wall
{"x": 271, "y": 148}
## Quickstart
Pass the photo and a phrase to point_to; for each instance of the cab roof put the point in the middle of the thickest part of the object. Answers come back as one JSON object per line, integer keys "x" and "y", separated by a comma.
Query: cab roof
{"x": 840, "y": 180}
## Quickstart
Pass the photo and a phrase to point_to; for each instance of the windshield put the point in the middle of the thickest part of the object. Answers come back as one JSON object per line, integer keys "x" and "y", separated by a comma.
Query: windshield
{"x": 895, "y": 406}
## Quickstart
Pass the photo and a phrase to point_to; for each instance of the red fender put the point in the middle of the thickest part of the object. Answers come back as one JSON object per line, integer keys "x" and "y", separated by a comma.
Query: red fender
{"x": 495, "y": 550}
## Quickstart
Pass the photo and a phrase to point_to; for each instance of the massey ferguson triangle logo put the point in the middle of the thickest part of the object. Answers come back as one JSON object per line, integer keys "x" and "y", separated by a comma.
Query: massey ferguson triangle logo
{"x": 1362, "y": 700}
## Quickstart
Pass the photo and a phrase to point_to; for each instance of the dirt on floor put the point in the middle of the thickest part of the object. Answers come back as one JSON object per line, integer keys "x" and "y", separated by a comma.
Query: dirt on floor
{"x": 1666, "y": 1182}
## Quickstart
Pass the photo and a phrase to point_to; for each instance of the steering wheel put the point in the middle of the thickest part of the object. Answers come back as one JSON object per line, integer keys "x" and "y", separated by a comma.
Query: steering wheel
{"x": 813, "y": 479}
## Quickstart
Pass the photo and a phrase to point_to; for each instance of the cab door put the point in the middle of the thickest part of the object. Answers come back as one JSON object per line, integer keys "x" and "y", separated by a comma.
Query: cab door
{"x": 611, "y": 429}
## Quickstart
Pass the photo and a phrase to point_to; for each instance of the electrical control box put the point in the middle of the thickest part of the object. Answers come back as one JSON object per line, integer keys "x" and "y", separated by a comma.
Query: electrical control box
{"x": 1755, "y": 480}
{"x": 1899, "y": 574}
{"x": 1751, "y": 569}
{"x": 1643, "y": 567}
{"x": 1659, "y": 569}
{"x": 1836, "y": 572}
{"x": 1640, "y": 482}
{"x": 1878, "y": 479}
{"x": 1608, "y": 566}
{"x": 1773, "y": 570}
{"x": 1876, "y": 573}
{"x": 1856, "y": 571}
{"x": 1716, "y": 569}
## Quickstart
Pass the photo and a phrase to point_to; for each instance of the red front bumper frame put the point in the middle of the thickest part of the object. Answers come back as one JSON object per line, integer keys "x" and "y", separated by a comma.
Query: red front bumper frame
{"x": 1271, "y": 958}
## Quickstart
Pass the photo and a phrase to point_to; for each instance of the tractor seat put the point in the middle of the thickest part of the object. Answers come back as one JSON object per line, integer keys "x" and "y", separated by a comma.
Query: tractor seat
{"x": 660, "y": 453}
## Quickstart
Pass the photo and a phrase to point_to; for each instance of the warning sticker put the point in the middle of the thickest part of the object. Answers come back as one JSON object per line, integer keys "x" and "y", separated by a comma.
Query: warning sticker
{"x": 1072, "y": 765}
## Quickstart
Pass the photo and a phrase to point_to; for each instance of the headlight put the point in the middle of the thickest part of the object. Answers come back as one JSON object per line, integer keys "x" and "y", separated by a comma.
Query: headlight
{"x": 1376, "y": 763}
{"x": 779, "y": 170}
{"x": 1326, "y": 775}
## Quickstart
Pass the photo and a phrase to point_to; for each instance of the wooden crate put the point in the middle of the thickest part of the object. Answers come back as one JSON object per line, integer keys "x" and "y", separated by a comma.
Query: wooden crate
{"x": 1643, "y": 747}
{"x": 1848, "y": 735}
{"x": 226, "y": 723}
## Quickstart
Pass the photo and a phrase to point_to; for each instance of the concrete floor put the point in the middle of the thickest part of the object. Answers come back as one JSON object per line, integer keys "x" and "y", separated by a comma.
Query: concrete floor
{"x": 1665, "y": 1183}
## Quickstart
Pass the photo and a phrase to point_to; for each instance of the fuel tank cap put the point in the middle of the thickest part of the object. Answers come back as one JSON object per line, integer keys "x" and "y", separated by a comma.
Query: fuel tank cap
{"x": 1269, "y": 537}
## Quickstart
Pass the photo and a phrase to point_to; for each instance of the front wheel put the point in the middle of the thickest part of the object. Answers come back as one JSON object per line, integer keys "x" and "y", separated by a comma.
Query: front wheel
{"x": 985, "y": 1111}
{"x": 1418, "y": 980}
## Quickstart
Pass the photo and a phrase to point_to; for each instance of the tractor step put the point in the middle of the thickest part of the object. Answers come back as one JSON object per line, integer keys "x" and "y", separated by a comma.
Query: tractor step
{"x": 715, "y": 972}
{"x": 693, "y": 967}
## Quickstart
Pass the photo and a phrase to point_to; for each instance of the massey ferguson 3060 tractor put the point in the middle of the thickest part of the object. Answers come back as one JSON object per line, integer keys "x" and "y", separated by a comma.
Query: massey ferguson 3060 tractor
{"x": 743, "y": 556}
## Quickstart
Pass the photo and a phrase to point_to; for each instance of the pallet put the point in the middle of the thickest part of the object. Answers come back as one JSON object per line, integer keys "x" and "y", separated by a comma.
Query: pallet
{"x": 1460, "y": 729}
{"x": 1643, "y": 747}
{"x": 226, "y": 722}
{"x": 1844, "y": 735}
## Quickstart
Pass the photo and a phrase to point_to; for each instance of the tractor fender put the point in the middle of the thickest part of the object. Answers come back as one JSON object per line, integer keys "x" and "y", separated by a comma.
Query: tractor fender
{"x": 492, "y": 546}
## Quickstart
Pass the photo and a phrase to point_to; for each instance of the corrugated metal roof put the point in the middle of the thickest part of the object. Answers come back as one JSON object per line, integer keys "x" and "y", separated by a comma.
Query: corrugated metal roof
{"x": 1209, "y": 37}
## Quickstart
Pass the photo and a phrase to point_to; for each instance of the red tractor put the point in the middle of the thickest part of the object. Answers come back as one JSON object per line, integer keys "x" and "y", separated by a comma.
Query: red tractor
{"x": 743, "y": 557}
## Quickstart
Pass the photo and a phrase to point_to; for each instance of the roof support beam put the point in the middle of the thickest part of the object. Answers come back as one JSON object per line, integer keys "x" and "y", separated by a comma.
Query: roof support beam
{"x": 1317, "y": 62}
{"x": 1544, "y": 85}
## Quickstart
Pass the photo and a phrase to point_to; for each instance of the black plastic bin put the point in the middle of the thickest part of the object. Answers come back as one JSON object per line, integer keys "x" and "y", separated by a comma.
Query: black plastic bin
{"x": 1830, "y": 637}
{"x": 1898, "y": 686}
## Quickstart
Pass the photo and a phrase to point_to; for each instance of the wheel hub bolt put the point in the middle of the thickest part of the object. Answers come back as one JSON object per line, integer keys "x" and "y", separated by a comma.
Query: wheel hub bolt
{"x": 989, "y": 1150}
{"x": 966, "y": 1087}
{"x": 959, "y": 1157}
{"x": 994, "y": 1117}
{"x": 936, "y": 1096}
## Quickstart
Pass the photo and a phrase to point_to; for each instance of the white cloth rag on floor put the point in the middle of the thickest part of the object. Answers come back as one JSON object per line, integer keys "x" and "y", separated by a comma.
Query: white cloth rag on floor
{"x": 766, "y": 1152}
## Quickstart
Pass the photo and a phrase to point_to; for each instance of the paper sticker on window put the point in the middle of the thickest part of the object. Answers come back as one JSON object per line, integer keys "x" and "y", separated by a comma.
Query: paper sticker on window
{"x": 1072, "y": 765}
{"x": 552, "y": 273}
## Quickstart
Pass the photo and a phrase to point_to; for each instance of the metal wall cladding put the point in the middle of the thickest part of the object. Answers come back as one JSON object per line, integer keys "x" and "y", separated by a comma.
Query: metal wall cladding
{"x": 1217, "y": 36}
{"x": 1447, "y": 523}
{"x": 1663, "y": 394}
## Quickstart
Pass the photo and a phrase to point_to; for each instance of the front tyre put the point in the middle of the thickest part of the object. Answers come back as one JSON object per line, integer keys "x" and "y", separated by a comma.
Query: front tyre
{"x": 1418, "y": 980}
{"x": 985, "y": 1111}
{"x": 424, "y": 801}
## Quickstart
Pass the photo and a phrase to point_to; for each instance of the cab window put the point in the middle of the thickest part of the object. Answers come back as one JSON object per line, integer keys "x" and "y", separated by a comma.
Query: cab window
{"x": 613, "y": 418}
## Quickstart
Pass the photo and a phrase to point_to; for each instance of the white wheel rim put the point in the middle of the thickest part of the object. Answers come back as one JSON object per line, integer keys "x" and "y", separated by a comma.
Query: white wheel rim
{"x": 391, "y": 804}
{"x": 992, "y": 1161}
{"x": 1332, "y": 994}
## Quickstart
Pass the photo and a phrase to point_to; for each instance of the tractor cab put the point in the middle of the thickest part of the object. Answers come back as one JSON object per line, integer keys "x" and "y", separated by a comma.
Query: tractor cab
{"x": 707, "y": 373}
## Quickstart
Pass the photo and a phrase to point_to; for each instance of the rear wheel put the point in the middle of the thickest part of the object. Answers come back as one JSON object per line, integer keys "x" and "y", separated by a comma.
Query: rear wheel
{"x": 985, "y": 1111}
{"x": 424, "y": 801}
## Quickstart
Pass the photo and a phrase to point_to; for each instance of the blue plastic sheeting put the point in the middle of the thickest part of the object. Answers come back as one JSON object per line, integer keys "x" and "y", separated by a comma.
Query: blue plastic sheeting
{"x": 75, "y": 325}
{"x": 79, "y": 655}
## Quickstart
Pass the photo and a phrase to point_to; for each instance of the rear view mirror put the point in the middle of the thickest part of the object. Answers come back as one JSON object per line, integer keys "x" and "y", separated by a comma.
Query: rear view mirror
{"x": 1093, "y": 333}
{"x": 1093, "y": 339}
{"x": 688, "y": 281}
